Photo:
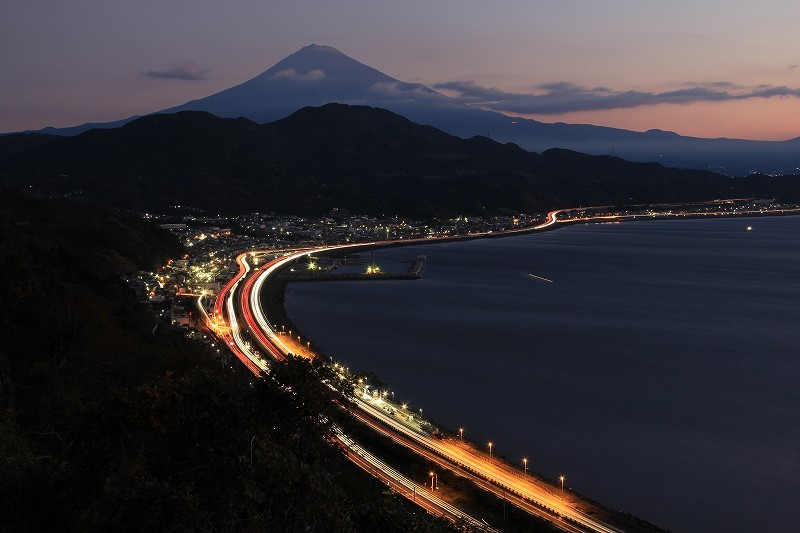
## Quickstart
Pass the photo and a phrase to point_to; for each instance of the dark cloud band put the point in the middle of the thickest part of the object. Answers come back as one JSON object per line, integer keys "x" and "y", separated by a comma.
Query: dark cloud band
{"x": 562, "y": 97}
{"x": 179, "y": 71}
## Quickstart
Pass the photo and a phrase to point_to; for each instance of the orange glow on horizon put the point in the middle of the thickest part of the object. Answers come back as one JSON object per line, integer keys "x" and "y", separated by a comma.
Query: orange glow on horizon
{"x": 773, "y": 119}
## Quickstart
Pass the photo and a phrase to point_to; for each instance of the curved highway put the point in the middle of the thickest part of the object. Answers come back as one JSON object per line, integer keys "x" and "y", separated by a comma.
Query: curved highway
{"x": 528, "y": 494}
{"x": 405, "y": 486}
{"x": 545, "y": 498}
{"x": 226, "y": 310}
{"x": 268, "y": 338}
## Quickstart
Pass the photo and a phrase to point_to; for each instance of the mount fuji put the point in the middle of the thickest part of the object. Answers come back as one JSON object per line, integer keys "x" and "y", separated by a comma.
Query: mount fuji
{"x": 316, "y": 75}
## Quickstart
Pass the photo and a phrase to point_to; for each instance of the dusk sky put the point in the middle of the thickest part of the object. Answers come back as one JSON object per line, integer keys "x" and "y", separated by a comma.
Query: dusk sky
{"x": 708, "y": 68}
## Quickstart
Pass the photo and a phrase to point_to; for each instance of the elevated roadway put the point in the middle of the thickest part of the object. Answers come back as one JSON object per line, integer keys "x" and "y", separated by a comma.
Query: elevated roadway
{"x": 545, "y": 499}
{"x": 232, "y": 334}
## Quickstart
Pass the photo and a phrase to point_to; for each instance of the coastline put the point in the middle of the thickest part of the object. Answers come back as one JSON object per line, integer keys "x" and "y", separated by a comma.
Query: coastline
{"x": 275, "y": 287}
{"x": 569, "y": 222}
{"x": 745, "y": 286}
{"x": 277, "y": 292}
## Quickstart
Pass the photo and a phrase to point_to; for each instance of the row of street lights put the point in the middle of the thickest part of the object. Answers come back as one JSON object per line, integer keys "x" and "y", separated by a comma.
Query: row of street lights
{"x": 282, "y": 332}
{"x": 434, "y": 477}
{"x": 524, "y": 459}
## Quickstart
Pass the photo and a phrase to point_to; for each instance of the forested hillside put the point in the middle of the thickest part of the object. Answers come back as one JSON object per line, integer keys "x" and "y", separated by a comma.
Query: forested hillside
{"x": 109, "y": 424}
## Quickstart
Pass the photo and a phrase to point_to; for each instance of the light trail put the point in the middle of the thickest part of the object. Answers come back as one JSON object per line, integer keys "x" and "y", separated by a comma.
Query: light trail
{"x": 477, "y": 465}
{"x": 202, "y": 309}
{"x": 228, "y": 286}
{"x": 488, "y": 470}
{"x": 458, "y": 469}
{"x": 356, "y": 453}
{"x": 480, "y": 466}
{"x": 257, "y": 332}
{"x": 253, "y": 288}
{"x": 254, "y": 295}
{"x": 418, "y": 491}
{"x": 252, "y": 361}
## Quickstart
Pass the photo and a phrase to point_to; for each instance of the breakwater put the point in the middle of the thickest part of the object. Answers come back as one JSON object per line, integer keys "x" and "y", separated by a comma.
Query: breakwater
{"x": 347, "y": 276}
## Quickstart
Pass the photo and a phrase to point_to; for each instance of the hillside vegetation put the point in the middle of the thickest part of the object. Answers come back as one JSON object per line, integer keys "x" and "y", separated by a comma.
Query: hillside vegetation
{"x": 109, "y": 424}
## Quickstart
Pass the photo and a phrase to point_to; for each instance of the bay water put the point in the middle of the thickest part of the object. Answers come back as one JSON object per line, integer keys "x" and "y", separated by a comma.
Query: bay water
{"x": 658, "y": 369}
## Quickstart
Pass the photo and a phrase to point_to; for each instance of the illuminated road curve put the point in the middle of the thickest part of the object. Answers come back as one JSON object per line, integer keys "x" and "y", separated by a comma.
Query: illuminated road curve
{"x": 492, "y": 472}
{"x": 488, "y": 469}
{"x": 271, "y": 342}
{"x": 266, "y": 333}
{"x": 353, "y": 451}
{"x": 408, "y": 488}
{"x": 500, "y": 492}
{"x": 231, "y": 334}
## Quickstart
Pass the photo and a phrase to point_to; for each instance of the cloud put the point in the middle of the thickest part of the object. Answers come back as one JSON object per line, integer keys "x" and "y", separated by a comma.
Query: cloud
{"x": 563, "y": 97}
{"x": 290, "y": 74}
{"x": 398, "y": 89}
{"x": 720, "y": 85}
{"x": 185, "y": 70}
{"x": 792, "y": 67}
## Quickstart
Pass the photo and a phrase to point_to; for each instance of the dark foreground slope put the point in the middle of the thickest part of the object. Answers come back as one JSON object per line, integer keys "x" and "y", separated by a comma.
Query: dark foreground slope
{"x": 106, "y": 424}
{"x": 359, "y": 158}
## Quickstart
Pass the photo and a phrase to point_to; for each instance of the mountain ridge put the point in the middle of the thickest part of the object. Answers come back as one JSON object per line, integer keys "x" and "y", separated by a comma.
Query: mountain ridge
{"x": 359, "y": 158}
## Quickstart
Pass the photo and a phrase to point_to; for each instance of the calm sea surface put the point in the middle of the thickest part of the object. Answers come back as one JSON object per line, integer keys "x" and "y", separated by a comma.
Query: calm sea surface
{"x": 660, "y": 372}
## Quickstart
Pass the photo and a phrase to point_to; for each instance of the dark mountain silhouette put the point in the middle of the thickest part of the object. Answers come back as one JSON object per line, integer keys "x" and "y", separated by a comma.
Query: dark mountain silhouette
{"x": 11, "y": 144}
{"x": 354, "y": 157}
{"x": 316, "y": 75}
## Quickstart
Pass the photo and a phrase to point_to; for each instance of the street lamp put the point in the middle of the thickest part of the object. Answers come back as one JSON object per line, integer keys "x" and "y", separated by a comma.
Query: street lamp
{"x": 562, "y": 482}
{"x": 461, "y": 433}
{"x": 434, "y": 480}
{"x": 490, "y": 451}
{"x": 525, "y": 462}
